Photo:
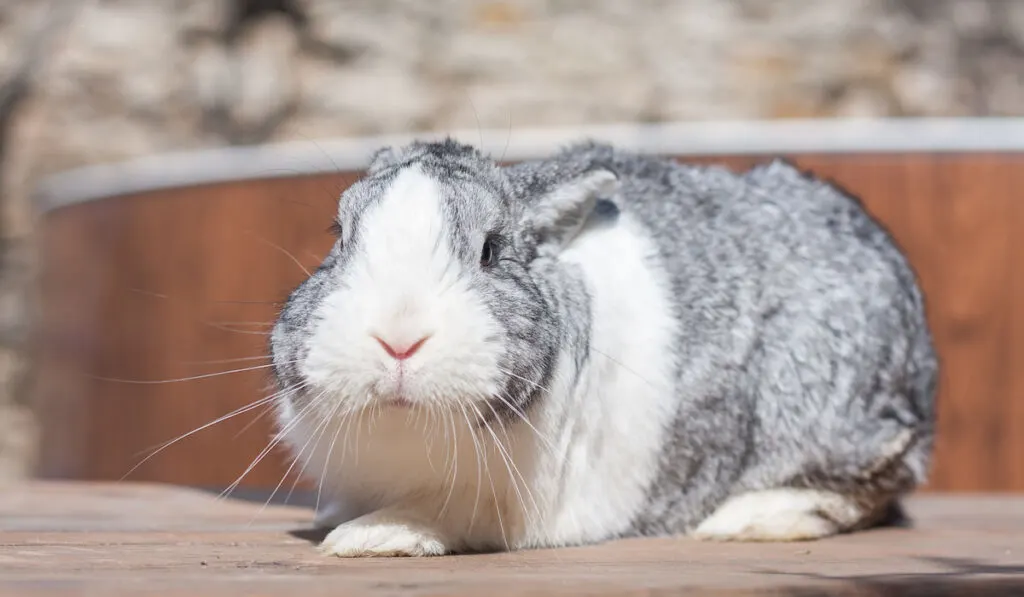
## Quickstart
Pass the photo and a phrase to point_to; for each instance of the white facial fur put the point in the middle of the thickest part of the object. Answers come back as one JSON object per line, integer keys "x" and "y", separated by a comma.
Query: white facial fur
{"x": 404, "y": 285}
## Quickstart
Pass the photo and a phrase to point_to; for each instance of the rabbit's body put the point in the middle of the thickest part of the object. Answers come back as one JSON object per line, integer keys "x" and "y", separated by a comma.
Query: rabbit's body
{"x": 672, "y": 349}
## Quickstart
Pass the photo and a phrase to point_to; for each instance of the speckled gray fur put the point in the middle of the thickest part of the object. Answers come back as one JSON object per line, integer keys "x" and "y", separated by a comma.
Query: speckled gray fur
{"x": 804, "y": 359}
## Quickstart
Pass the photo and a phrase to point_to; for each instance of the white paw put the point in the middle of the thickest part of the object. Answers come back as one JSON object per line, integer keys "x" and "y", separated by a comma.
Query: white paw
{"x": 382, "y": 535}
{"x": 779, "y": 515}
{"x": 788, "y": 526}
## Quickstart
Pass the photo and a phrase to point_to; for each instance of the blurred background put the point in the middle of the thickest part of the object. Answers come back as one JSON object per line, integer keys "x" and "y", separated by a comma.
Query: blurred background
{"x": 87, "y": 82}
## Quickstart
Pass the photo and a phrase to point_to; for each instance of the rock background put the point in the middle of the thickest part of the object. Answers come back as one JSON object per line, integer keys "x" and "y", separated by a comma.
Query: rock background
{"x": 102, "y": 80}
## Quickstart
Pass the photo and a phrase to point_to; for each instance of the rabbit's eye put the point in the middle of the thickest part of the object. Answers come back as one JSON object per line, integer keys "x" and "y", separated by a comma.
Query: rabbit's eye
{"x": 487, "y": 254}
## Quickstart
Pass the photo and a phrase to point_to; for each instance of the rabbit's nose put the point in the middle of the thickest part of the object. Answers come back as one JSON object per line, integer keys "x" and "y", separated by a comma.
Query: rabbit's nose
{"x": 401, "y": 351}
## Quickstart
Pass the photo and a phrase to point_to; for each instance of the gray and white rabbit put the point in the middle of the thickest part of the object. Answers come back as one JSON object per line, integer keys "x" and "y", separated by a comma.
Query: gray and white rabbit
{"x": 601, "y": 345}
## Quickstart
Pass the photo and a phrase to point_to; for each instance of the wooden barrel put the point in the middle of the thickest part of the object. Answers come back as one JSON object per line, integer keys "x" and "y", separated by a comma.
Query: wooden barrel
{"x": 172, "y": 268}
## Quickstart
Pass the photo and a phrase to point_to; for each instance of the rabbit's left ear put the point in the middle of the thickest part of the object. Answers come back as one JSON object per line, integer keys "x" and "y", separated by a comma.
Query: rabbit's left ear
{"x": 555, "y": 218}
{"x": 384, "y": 157}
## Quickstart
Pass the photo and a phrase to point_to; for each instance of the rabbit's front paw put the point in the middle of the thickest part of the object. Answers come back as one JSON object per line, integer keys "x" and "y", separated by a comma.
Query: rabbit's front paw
{"x": 780, "y": 515}
{"x": 383, "y": 534}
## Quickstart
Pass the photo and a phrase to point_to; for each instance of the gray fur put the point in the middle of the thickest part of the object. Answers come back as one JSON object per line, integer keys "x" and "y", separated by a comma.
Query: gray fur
{"x": 804, "y": 358}
{"x": 478, "y": 201}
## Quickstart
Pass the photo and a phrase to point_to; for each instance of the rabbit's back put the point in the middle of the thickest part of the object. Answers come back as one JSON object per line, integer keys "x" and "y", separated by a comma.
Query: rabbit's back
{"x": 804, "y": 358}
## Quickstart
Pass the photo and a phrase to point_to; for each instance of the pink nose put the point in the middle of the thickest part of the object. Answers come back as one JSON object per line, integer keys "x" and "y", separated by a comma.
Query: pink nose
{"x": 401, "y": 352}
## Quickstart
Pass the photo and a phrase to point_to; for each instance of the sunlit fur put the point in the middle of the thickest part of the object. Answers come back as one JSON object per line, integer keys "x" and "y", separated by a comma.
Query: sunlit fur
{"x": 623, "y": 367}
{"x": 402, "y": 285}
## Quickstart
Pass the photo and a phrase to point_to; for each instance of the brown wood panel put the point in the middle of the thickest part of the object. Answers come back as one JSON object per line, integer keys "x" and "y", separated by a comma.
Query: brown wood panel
{"x": 1014, "y": 402}
{"x": 184, "y": 280}
{"x": 169, "y": 284}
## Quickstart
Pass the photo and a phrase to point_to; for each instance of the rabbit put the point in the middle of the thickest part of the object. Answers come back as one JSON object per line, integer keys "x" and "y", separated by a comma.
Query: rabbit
{"x": 597, "y": 345}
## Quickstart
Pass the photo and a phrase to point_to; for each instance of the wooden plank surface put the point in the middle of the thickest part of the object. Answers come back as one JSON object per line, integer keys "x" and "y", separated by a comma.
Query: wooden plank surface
{"x": 131, "y": 539}
{"x": 175, "y": 283}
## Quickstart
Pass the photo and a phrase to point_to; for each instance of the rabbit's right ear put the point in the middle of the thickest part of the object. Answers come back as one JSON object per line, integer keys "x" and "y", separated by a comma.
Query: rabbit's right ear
{"x": 556, "y": 217}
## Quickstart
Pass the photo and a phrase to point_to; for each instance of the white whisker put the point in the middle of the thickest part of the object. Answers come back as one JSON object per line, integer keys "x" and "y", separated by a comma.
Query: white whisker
{"x": 533, "y": 383}
{"x": 265, "y": 324}
{"x": 454, "y": 466}
{"x": 169, "y": 443}
{"x": 317, "y": 434}
{"x": 233, "y": 330}
{"x": 330, "y": 451}
{"x": 513, "y": 469}
{"x": 624, "y": 367}
{"x": 181, "y": 379}
{"x": 285, "y": 430}
{"x": 522, "y": 416}
{"x": 226, "y": 361}
{"x": 285, "y": 251}
{"x": 494, "y": 493}
{"x": 479, "y": 471}
{"x": 256, "y": 419}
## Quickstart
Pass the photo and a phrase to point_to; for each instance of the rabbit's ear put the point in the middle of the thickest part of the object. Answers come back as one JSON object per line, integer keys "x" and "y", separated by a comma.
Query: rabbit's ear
{"x": 555, "y": 218}
{"x": 384, "y": 157}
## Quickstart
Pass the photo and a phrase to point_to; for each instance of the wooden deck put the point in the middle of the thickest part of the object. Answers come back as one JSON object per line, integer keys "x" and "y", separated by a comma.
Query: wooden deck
{"x": 131, "y": 539}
